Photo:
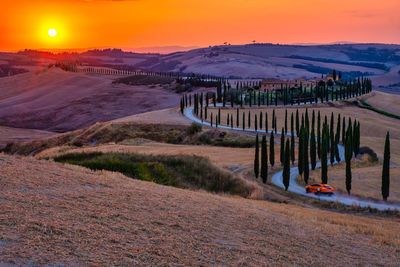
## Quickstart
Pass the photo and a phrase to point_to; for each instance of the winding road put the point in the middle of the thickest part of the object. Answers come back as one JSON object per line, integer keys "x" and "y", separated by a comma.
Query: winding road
{"x": 299, "y": 189}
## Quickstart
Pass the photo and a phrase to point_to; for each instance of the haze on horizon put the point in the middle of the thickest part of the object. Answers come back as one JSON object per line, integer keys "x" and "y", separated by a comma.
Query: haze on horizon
{"x": 149, "y": 23}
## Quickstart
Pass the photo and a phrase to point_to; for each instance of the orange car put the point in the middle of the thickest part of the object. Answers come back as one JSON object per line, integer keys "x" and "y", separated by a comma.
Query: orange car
{"x": 320, "y": 189}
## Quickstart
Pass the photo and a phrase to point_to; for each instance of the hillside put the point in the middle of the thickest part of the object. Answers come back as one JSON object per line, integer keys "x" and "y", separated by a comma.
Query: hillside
{"x": 59, "y": 101}
{"x": 105, "y": 218}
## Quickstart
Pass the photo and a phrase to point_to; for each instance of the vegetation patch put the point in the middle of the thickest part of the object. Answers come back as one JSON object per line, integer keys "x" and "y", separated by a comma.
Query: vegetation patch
{"x": 180, "y": 171}
{"x": 102, "y": 133}
{"x": 363, "y": 104}
{"x": 144, "y": 80}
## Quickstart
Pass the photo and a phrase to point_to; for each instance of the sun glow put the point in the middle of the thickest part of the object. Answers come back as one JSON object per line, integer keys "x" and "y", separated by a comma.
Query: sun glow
{"x": 52, "y": 32}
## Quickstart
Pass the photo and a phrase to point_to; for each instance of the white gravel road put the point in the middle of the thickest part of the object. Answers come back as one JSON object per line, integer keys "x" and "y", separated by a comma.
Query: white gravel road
{"x": 299, "y": 189}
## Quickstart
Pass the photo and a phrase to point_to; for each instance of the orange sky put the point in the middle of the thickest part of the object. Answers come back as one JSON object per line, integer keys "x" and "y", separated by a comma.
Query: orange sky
{"x": 140, "y": 23}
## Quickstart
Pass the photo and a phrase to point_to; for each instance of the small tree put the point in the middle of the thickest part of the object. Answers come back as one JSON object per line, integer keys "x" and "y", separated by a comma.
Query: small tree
{"x": 257, "y": 158}
{"x": 264, "y": 159}
{"x": 282, "y": 156}
{"x": 286, "y": 166}
{"x": 305, "y": 157}
{"x": 313, "y": 151}
{"x": 324, "y": 159}
{"x": 348, "y": 155}
{"x": 386, "y": 169}
{"x": 271, "y": 150}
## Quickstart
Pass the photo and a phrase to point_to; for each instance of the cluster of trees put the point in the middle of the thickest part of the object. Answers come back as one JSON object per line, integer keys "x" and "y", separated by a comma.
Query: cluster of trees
{"x": 286, "y": 96}
{"x": 323, "y": 145}
{"x": 317, "y": 139}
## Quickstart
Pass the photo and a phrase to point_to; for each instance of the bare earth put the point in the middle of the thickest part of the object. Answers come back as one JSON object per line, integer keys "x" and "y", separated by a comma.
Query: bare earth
{"x": 60, "y": 214}
{"x": 59, "y": 101}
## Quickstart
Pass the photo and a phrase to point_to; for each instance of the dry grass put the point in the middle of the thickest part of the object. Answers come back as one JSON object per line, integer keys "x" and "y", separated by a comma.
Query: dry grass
{"x": 384, "y": 101}
{"x": 62, "y": 214}
{"x": 366, "y": 181}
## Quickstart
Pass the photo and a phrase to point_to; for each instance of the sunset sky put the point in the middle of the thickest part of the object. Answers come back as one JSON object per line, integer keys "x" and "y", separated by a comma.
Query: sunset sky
{"x": 141, "y": 23}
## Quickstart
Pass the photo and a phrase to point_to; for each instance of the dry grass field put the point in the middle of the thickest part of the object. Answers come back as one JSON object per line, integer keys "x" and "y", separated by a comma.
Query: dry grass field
{"x": 373, "y": 132}
{"x": 67, "y": 215}
{"x": 384, "y": 101}
{"x": 56, "y": 100}
{"x": 9, "y": 134}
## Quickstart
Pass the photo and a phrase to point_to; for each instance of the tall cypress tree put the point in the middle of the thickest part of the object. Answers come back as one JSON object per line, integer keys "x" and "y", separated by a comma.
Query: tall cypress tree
{"x": 271, "y": 150}
{"x": 292, "y": 150}
{"x": 286, "y": 122}
{"x": 305, "y": 158}
{"x": 313, "y": 120}
{"x": 266, "y": 122}
{"x": 257, "y": 159}
{"x": 324, "y": 158}
{"x": 319, "y": 136}
{"x": 261, "y": 120}
{"x": 273, "y": 120}
{"x": 264, "y": 159}
{"x": 297, "y": 122}
{"x": 307, "y": 123}
{"x": 300, "y": 153}
{"x": 291, "y": 124}
{"x": 249, "y": 120}
{"x": 282, "y": 147}
{"x": 219, "y": 116}
{"x": 237, "y": 118}
{"x": 348, "y": 155}
{"x": 286, "y": 166}
{"x": 313, "y": 152}
{"x": 386, "y": 169}
{"x": 344, "y": 131}
{"x": 243, "y": 121}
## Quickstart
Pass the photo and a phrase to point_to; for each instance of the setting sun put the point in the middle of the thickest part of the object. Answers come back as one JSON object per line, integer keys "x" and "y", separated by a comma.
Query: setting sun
{"x": 52, "y": 32}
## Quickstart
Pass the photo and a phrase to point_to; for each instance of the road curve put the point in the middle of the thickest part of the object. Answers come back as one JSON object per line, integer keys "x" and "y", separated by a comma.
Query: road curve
{"x": 294, "y": 187}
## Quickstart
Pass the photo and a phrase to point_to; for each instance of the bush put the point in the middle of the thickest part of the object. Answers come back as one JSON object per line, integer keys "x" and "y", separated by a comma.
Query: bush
{"x": 194, "y": 128}
{"x": 179, "y": 171}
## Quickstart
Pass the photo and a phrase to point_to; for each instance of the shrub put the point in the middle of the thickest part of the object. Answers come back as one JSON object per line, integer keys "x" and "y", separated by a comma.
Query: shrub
{"x": 194, "y": 128}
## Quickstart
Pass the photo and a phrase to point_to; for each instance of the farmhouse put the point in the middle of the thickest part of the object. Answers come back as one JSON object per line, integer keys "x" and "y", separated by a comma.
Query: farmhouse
{"x": 271, "y": 84}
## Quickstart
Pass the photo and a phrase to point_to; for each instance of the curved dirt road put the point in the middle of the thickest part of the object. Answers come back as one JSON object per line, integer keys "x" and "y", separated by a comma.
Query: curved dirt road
{"x": 298, "y": 189}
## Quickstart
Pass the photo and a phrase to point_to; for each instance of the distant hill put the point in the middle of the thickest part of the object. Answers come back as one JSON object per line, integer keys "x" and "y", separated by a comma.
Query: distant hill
{"x": 379, "y": 61}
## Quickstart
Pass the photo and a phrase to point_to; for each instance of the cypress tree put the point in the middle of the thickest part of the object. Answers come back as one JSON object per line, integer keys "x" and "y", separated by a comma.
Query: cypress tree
{"x": 271, "y": 150}
{"x": 300, "y": 153}
{"x": 291, "y": 124}
{"x": 231, "y": 121}
{"x": 237, "y": 118}
{"x": 344, "y": 131}
{"x": 261, "y": 120}
{"x": 273, "y": 120}
{"x": 244, "y": 121}
{"x": 324, "y": 158}
{"x": 257, "y": 159}
{"x": 227, "y": 120}
{"x": 255, "y": 122}
{"x": 313, "y": 152}
{"x": 249, "y": 120}
{"x": 264, "y": 159}
{"x": 266, "y": 122}
{"x": 313, "y": 120}
{"x": 305, "y": 158}
{"x": 211, "y": 116}
{"x": 297, "y": 122}
{"x": 276, "y": 127}
{"x": 386, "y": 169}
{"x": 348, "y": 155}
{"x": 292, "y": 150}
{"x": 286, "y": 166}
{"x": 307, "y": 123}
{"x": 286, "y": 125}
{"x": 282, "y": 147}
{"x": 319, "y": 136}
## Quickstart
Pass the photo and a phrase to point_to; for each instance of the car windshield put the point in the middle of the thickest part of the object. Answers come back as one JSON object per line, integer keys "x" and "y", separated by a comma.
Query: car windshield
{"x": 327, "y": 186}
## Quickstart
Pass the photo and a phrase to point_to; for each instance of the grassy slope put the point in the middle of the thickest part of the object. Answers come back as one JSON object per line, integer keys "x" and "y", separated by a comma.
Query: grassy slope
{"x": 53, "y": 213}
{"x": 373, "y": 132}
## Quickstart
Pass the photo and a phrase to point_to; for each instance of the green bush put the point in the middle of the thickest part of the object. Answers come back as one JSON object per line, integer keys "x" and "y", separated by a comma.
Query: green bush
{"x": 194, "y": 128}
{"x": 179, "y": 171}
